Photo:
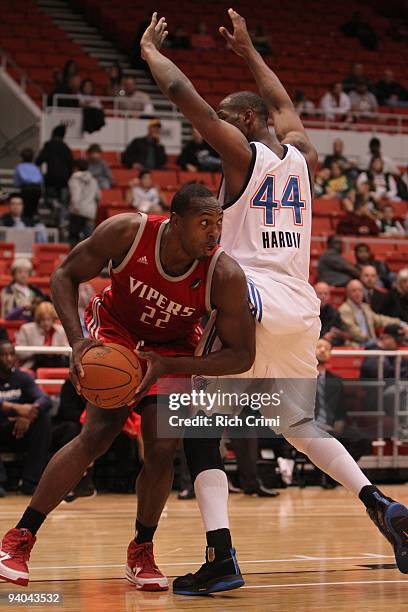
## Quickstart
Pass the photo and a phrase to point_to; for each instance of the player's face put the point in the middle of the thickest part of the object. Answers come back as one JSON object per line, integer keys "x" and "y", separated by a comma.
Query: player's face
{"x": 200, "y": 229}
{"x": 228, "y": 114}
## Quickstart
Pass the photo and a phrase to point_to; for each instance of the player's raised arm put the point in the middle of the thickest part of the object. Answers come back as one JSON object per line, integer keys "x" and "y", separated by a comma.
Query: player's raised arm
{"x": 288, "y": 126}
{"x": 226, "y": 139}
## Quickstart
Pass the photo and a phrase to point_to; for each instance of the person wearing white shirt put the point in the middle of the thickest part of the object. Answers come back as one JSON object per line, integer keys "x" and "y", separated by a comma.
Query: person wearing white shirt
{"x": 335, "y": 103}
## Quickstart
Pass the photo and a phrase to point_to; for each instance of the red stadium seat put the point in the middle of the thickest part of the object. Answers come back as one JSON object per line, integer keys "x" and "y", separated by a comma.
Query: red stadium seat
{"x": 52, "y": 373}
{"x": 166, "y": 179}
{"x": 122, "y": 176}
{"x": 321, "y": 226}
{"x": 47, "y": 256}
{"x": 6, "y": 257}
{"x": 199, "y": 177}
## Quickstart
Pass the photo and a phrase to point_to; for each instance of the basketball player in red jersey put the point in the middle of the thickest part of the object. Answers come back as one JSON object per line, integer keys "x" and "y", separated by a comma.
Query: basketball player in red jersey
{"x": 266, "y": 187}
{"x": 165, "y": 276}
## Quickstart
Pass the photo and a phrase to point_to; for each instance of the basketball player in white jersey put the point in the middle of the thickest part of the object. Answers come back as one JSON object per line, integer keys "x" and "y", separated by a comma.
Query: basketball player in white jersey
{"x": 267, "y": 201}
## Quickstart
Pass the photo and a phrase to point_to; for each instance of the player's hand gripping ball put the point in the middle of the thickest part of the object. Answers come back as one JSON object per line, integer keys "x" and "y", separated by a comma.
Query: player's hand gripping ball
{"x": 111, "y": 375}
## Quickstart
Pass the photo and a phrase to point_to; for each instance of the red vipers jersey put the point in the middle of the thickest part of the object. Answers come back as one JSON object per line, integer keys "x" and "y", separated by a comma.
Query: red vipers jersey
{"x": 147, "y": 302}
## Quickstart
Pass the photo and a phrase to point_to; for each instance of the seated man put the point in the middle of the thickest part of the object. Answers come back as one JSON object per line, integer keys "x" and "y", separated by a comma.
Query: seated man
{"x": 146, "y": 152}
{"x": 331, "y": 411}
{"x": 364, "y": 256}
{"x": 359, "y": 318}
{"x": 333, "y": 328}
{"x": 376, "y": 297}
{"x": 24, "y": 421}
{"x": 332, "y": 267}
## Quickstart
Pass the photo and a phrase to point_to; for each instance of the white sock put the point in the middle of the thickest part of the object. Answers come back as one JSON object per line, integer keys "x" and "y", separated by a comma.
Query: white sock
{"x": 331, "y": 457}
{"x": 211, "y": 489}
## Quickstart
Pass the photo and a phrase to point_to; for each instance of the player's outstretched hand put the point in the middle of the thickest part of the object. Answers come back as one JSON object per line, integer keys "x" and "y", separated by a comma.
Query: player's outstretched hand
{"x": 239, "y": 40}
{"x": 155, "y": 369}
{"x": 154, "y": 34}
{"x": 76, "y": 371}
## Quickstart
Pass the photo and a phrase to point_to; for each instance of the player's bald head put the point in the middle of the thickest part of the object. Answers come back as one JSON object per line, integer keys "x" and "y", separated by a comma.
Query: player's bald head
{"x": 242, "y": 101}
{"x": 194, "y": 198}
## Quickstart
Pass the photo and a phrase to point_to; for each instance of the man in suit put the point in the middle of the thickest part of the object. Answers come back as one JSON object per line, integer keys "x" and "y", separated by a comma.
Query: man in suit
{"x": 331, "y": 413}
{"x": 375, "y": 297}
{"x": 146, "y": 152}
{"x": 360, "y": 319}
{"x": 333, "y": 328}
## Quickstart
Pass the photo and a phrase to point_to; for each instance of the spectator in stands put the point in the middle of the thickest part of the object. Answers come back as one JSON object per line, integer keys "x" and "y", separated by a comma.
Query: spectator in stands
{"x": 43, "y": 331}
{"x": 337, "y": 156}
{"x": 58, "y": 157}
{"x": 397, "y": 305}
{"x": 135, "y": 102}
{"x": 390, "y": 92}
{"x": 115, "y": 79}
{"x": 356, "y": 76}
{"x": 359, "y": 318}
{"x": 57, "y": 86}
{"x": 261, "y": 40}
{"x": 4, "y": 334}
{"x": 375, "y": 151}
{"x": 382, "y": 185}
{"x": 364, "y": 257}
{"x": 321, "y": 179}
{"x": 302, "y": 105}
{"x": 70, "y": 69}
{"x": 28, "y": 178}
{"x": 336, "y": 103}
{"x": 98, "y": 167}
{"x": 388, "y": 225}
{"x": 341, "y": 186}
{"x": 18, "y": 297}
{"x": 179, "y": 40}
{"x": 358, "y": 222}
{"x": 331, "y": 413}
{"x": 197, "y": 155}
{"x": 201, "y": 40}
{"x": 334, "y": 269}
{"x": 87, "y": 95}
{"x": 375, "y": 296}
{"x": 84, "y": 198}
{"x": 146, "y": 152}
{"x": 15, "y": 217}
{"x": 333, "y": 328}
{"x": 72, "y": 91}
{"x": 144, "y": 195}
{"x": 363, "y": 102}
{"x": 24, "y": 421}
{"x": 357, "y": 28}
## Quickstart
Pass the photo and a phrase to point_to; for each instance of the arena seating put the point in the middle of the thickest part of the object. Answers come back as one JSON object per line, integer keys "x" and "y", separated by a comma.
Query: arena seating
{"x": 38, "y": 46}
{"x": 311, "y": 52}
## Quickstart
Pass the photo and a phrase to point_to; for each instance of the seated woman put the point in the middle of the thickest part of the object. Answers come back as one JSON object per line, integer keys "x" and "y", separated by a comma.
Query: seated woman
{"x": 19, "y": 296}
{"x": 382, "y": 185}
{"x": 44, "y": 331}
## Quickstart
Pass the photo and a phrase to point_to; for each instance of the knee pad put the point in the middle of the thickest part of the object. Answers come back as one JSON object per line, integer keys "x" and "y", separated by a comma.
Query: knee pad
{"x": 202, "y": 454}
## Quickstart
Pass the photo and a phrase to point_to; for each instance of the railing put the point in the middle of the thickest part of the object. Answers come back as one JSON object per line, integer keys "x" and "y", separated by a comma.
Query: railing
{"x": 349, "y": 242}
{"x": 23, "y": 78}
{"x": 392, "y": 122}
{"x": 111, "y": 106}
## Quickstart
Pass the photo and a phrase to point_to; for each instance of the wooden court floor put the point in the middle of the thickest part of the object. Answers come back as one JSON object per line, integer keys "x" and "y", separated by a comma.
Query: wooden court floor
{"x": 307, "y": 550}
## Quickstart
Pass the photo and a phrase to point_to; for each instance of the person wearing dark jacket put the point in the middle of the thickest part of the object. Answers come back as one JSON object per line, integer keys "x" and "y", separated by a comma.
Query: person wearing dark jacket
{"x": 146, "y": 152}
{"x": 376, "y": 297}
{"x": 58, "y": 157}
{"x": 332, "y": 267}
{"x": 15, "y": 217}
{"x": 197, "y": 155}
{"x": 24, "y": 420}
{"x": 397, "y": 305}
{"x": 332, "y": 327}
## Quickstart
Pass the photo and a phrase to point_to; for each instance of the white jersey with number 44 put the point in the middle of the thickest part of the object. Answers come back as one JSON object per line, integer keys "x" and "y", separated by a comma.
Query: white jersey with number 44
{"x": 267, "y": 229}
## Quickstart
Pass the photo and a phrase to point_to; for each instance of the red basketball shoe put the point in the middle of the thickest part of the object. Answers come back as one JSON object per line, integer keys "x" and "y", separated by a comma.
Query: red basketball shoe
{"x": 141, "y": 568}
{"x": 14, "y": 554}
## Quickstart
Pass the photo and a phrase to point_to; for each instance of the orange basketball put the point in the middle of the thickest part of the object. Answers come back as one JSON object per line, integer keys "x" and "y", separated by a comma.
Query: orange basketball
{"x": 112, "y": 373}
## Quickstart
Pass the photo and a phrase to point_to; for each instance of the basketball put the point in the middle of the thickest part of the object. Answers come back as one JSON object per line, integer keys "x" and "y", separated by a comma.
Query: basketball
{"x": 112, "y": 373}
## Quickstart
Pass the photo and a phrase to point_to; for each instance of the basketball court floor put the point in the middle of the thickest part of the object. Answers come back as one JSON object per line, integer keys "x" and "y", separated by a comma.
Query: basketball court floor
{"x": 306, "y": 550}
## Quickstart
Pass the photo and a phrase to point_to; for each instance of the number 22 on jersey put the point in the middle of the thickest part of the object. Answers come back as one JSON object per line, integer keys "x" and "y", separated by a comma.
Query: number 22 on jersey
{"x": 265, "y": 199}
